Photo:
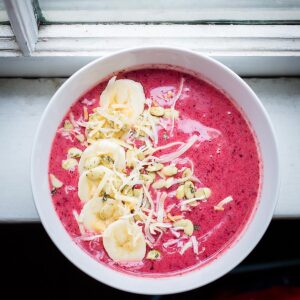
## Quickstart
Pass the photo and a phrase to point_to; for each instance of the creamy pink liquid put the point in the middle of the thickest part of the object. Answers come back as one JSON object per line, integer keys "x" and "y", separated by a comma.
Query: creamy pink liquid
{"x": 226, "y": 159}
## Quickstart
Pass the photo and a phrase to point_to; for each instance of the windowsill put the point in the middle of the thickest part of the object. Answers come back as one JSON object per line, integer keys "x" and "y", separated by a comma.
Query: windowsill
{"x": 23, "y": 100}
{"x": 60, "y": 50}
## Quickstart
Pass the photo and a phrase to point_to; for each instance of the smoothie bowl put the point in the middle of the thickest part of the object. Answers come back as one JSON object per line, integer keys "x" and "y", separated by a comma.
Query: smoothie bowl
{"x": 155, "y": 170}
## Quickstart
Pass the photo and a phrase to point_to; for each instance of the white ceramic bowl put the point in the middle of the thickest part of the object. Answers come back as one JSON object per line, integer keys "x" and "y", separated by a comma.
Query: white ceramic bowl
{"x": 220, "y": 76}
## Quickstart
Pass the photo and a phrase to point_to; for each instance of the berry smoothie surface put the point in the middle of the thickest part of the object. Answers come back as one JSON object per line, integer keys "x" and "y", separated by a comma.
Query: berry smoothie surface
{"x": 226, "y": 159}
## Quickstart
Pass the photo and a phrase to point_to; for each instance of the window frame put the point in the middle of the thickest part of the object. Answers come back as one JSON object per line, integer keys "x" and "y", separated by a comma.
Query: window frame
{"x": 24, "y": 24}
{"x": 59, "y": 50}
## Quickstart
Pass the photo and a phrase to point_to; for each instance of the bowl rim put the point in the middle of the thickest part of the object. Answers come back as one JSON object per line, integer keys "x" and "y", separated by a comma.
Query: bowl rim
{"x": 136, "y": 285}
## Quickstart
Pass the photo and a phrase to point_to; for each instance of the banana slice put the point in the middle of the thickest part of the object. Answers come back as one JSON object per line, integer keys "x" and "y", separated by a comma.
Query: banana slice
{"x": 98, "y": 213}
{"x": 125, "y": 95}
{"x": 124, "y": 241}
{"x": 102, "y": 152}
{"x": 92, "y": 182}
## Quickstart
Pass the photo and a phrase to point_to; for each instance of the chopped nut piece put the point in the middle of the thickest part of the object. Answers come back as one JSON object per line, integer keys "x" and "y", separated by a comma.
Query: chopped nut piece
{"x": 169, "y": 182}
{"x": 69, "y": 163}
{"x": 157, "y": 111}
{"x": 169, "y": 170}
{"x": 189, "y": 189}
{"x": 203, "y": 193}
{"x": 196, "y": 227}
{"x": 153, "y": 254}
{"x": 180, "y": 192}
{"x": 148, "y": 178}
{"x": 68, "y": 125}
{"x": 186, "y": 225}
{"x": 155, "y": 167}
{"x": 159, "y": 184}
{"x": 74, "y": 152}
{"x": 56, "y": 183}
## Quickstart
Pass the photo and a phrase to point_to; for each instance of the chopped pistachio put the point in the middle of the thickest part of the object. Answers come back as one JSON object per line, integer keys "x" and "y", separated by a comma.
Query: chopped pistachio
{"x": 186, "y": 225}
{"x": 69, "y": 164}
{"x": 189, "y": 189}
{"x": 153, "y": 255}
{"x": 196, "y": 227}
{"x": 74, "y": 152}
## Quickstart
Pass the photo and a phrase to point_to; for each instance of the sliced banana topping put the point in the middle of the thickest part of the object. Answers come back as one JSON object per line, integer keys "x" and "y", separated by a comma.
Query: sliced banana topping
{"x": 124, "y": 241}
{"x": 92, "y": 182}
{"x": 104, "y": 152}
{"x": 98, "y": 213}
{"x": 124, "y": 95}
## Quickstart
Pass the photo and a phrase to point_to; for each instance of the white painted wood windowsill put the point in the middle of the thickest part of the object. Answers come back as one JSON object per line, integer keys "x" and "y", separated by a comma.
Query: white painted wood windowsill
{"x": 22, "y": 102}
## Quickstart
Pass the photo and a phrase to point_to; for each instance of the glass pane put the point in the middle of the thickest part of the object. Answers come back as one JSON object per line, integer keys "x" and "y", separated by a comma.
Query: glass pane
{"x": 3, "y": 14}
{"x": 179, "y": 11}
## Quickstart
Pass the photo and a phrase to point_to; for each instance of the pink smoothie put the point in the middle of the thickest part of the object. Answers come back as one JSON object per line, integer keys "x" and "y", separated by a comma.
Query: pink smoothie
{"x": 226, "y": 159}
